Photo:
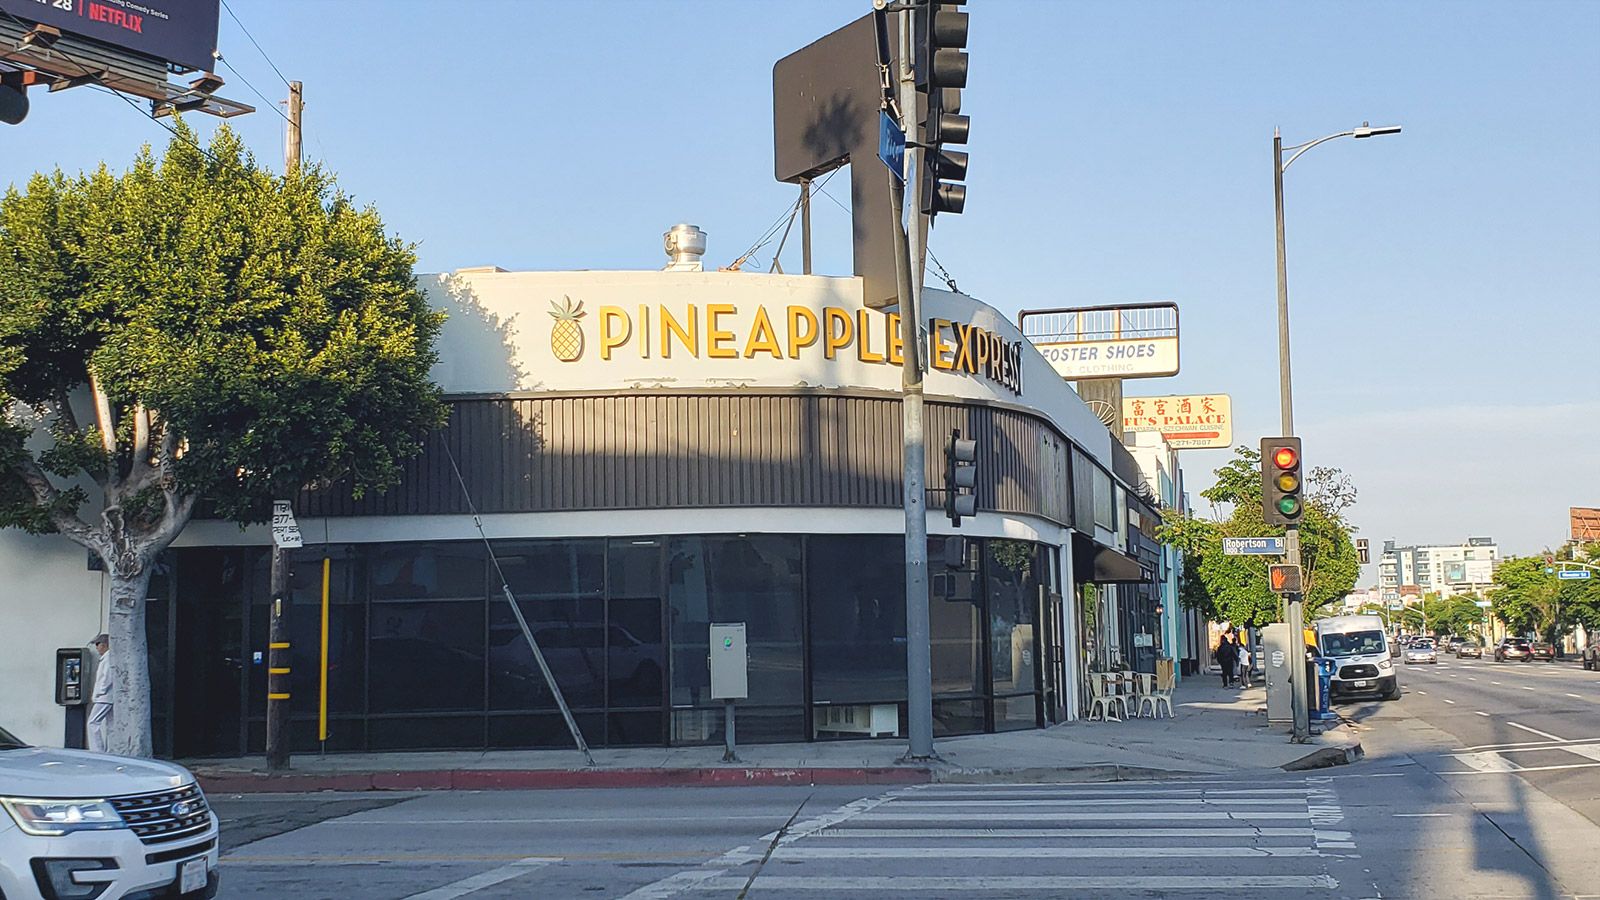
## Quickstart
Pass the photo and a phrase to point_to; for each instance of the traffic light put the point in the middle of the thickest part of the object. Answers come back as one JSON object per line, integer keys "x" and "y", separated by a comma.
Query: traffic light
{"x": 960, "y": 478}
{"x": 13, "y": 104}
{"x": 941, "y": 73}
{"x": 1281, "y": 482}
{"x": 1284, "y": 578}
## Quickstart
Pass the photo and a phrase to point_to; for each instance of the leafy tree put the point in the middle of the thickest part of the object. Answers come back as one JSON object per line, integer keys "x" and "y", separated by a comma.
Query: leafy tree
{"x": 196, "y": 330}
{"x": 1529, "y": 599}
{"x": 1235, "y": 588}
{"x": 1438, "y": 615}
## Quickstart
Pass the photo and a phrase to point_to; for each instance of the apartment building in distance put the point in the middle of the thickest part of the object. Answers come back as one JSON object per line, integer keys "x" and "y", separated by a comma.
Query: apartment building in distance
{"x": 1446, "y": 569}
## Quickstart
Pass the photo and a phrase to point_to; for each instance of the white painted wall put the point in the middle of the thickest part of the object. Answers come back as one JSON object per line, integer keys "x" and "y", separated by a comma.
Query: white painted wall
{"x": 48, "y": 599}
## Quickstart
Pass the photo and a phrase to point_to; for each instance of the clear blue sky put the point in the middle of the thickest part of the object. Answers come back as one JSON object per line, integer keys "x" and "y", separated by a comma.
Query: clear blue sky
{"x": 1442, "y": 281}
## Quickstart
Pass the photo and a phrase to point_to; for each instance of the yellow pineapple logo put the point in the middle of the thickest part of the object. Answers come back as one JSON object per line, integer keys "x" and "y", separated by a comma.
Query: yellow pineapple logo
{"x": 566, "y": 338}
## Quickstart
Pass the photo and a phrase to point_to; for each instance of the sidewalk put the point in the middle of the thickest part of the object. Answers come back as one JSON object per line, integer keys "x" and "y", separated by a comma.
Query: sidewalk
{"x": 1215, "y": 730}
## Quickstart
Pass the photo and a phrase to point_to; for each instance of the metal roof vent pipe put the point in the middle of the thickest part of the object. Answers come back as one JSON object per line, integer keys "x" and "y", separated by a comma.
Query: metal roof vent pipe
{"x": 686, "y": 248}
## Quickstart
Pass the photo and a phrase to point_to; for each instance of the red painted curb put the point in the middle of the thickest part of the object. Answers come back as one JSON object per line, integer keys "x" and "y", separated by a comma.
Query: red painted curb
{"x": 553, "y": 779}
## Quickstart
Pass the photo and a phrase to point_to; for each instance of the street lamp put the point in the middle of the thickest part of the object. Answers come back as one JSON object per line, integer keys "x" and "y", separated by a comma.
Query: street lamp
{"x": 1279, "y": 166}
{"x": 1293, "y": 616}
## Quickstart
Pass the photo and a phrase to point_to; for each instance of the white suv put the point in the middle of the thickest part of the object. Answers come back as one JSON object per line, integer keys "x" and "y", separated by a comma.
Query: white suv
{"x": 88, "y": 826}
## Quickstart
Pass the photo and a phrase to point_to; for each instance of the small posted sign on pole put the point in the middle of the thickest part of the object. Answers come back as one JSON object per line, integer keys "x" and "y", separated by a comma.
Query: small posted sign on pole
{"x": 285, "y": 530}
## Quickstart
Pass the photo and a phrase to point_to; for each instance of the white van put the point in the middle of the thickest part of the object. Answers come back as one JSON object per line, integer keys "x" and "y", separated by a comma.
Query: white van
{"x": 1360, "y": 647}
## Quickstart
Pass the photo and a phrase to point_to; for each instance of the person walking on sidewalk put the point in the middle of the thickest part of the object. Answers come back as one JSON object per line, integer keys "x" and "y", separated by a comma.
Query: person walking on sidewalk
{"x": 100, "y": 703}
{"x": 1243, "y": 653}
{"x": 1227, "y": 657}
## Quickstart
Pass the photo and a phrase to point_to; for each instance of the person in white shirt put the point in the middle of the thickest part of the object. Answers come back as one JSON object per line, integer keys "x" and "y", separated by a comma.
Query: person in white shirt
{"x": 100, "y": 701}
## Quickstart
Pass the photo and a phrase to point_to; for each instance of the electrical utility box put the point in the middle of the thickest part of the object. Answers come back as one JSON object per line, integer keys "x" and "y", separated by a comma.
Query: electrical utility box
{"x": 1279, "y": 659}
{"x": 730, "y": 662}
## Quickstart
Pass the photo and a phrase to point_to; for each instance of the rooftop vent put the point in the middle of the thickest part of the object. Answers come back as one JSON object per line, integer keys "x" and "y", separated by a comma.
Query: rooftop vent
{"x": 685, "y": 246}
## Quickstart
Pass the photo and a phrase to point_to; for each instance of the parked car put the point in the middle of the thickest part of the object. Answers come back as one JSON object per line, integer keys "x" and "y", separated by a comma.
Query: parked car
{"x": 1469, "y": 647}
{"x": 1421, "y": 652}
{"x": 1452, "y": 642}
{"x": 80, "y": 824}
{"x": 1542, "y": 650}
{"x": 1513, "y": 648}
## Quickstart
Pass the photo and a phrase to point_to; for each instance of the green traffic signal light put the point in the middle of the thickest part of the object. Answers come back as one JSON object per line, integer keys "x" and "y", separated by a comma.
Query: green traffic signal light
{"x": 1289, "y": 506}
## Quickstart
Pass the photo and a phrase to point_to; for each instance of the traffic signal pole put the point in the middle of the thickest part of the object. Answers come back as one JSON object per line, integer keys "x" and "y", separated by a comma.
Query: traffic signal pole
{"x": 908, "y": 273}
{"x": 1294, "y": 610}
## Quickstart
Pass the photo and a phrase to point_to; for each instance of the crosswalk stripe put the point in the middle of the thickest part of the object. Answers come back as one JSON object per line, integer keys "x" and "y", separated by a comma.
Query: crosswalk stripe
{"x": 953, "y": 885}
{"x": 795, "y": 851}
{"x": 1223, "y": 815}
{"x": 1120, "y": 801}
{"x": 1074, "y": 833}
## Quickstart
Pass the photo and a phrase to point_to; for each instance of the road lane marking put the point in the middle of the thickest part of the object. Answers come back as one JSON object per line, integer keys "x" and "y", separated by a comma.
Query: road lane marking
{"x": 485, "y": 879}
{"x": 945, "y": 885}
{"x": 1481, "y": 713}
{"x": 1449, "y": 701}
{"x": 1421, "y": 815}
{"x": 1526, "y": 688}
{"x": 1485, "y": 762}
{"x": 1575, "y": 696}
{"x": 1104, "y": 816}
{"x": 1421, "y": 692}
{"x": 1494, "y": 682}
{"x": 1543, "y": 734}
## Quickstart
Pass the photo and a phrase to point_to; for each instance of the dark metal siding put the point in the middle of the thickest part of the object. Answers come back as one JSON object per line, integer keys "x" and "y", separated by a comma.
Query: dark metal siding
{"x": 743, "y": 449}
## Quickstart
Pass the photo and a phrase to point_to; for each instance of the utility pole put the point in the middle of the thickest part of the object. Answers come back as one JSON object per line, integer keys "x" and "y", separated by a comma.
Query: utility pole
{"x": 279, "y": 651}
{"x": 908, "y": 273}
{"x": 1294, "y": 610}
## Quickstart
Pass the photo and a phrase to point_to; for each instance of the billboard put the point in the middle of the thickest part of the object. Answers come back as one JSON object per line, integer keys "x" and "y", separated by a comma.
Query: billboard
{"x": 1480, "y": 542}
{"x": 1188, "y": 422}
{"x": 183, "y": 32}
{"x": 1137, "y": 340}
{"x": 1585, "y": 523}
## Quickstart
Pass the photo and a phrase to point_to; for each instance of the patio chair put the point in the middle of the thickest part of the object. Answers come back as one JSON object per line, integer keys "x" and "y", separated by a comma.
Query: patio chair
{"x": 1100, "y": 699}
{"x": 1162, "y": 693}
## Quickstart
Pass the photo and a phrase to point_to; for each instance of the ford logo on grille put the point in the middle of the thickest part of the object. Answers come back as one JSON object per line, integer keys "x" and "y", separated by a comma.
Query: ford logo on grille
{"x": 183, "y": 808}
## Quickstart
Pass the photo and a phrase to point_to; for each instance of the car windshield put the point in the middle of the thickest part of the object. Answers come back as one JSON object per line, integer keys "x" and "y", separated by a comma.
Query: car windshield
{"x": 1353, "y": 643}
{"x": 8, "y": 742}
{"x": 1422, "y": 645}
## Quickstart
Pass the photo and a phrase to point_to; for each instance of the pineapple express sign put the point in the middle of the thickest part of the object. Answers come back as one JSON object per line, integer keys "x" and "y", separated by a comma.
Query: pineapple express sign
{"x": 727, "y": 331}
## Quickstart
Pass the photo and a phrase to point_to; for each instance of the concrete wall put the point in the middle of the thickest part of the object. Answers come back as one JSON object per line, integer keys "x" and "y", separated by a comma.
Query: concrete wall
{"x": 49, "y": 599}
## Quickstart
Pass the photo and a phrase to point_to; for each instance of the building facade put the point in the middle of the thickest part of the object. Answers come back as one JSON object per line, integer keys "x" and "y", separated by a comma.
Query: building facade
{"x": 1446, "y": 570}
{"x": 647, "y": 453}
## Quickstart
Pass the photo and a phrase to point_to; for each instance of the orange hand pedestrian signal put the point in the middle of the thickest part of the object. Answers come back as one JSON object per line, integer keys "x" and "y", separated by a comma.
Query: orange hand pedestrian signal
{"x": 1284, "y": 579}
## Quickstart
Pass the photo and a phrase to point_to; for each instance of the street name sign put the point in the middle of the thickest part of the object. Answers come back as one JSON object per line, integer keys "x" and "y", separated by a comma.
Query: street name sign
{"x": 1573, "y": 574}
{"x": 1483, "y": 603}
{"x": 892, "y": 145}
{"x": 1254, "y": 546}
{"x": 285, "y": 530}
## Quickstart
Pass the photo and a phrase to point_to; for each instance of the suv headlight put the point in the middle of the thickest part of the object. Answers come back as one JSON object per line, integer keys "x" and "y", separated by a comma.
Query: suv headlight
{"x": 1385, "y": 664}
{"x": 53, "y": 818}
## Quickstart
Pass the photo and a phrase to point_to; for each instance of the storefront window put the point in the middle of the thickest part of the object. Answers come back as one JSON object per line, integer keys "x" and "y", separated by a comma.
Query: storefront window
{"x": 427, "y": 627}
{"x": 856, "y": 588}
{"x": 560, "y": 589}
{"x": 955, "y": 624}
{"x": 753, "y": 579}
{"x": 1013, "y": 595}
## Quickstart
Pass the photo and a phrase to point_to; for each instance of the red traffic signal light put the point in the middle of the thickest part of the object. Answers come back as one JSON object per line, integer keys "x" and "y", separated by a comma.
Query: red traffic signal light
{"x": 1281, "y": 482}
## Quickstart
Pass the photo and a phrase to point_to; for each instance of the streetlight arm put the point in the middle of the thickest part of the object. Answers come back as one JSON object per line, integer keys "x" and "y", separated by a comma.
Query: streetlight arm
{"x": 1300, "y": 149}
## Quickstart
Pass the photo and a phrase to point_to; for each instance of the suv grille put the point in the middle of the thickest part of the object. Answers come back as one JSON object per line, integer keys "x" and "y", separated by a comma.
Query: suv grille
{"x": 152, "y": 818}
{"x": 1362, "y": 671}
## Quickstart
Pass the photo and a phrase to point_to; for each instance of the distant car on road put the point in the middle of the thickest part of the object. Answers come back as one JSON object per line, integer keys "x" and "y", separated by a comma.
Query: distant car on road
{"x": 1542, "y": 650}
{"x": 1513, "y": 648}
{"x": 1591, "y": 656}
{"x": 1452, "y": 642}
{"x": 1468, "y": 648}
{"x": 1422, "y": 651}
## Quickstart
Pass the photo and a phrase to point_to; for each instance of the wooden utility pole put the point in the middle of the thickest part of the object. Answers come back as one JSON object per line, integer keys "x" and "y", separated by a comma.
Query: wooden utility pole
{"x": 291, "y": 138}
{"x": 279, "y": 652}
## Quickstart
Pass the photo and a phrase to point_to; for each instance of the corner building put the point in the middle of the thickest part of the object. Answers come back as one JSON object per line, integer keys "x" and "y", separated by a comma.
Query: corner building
{"x": 651, "y": 452}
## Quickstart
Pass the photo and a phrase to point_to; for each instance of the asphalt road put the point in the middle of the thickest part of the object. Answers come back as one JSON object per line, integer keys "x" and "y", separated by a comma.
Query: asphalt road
{"x": 1482, "y": 781}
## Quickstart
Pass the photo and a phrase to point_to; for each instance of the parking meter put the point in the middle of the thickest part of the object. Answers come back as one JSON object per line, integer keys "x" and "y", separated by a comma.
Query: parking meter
{"x": 74, "y": 677}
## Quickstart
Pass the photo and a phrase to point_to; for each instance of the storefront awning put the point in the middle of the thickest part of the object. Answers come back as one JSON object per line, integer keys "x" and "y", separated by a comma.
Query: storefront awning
{"x": 1103, "y": 565}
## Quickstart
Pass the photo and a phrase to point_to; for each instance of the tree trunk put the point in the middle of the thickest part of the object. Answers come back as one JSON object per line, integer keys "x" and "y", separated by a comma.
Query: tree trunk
{"x": 130, "y": 664}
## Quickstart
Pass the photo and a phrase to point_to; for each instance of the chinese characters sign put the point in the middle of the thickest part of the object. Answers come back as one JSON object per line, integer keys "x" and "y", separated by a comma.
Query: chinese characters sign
{"x": 1199, "y": 421}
